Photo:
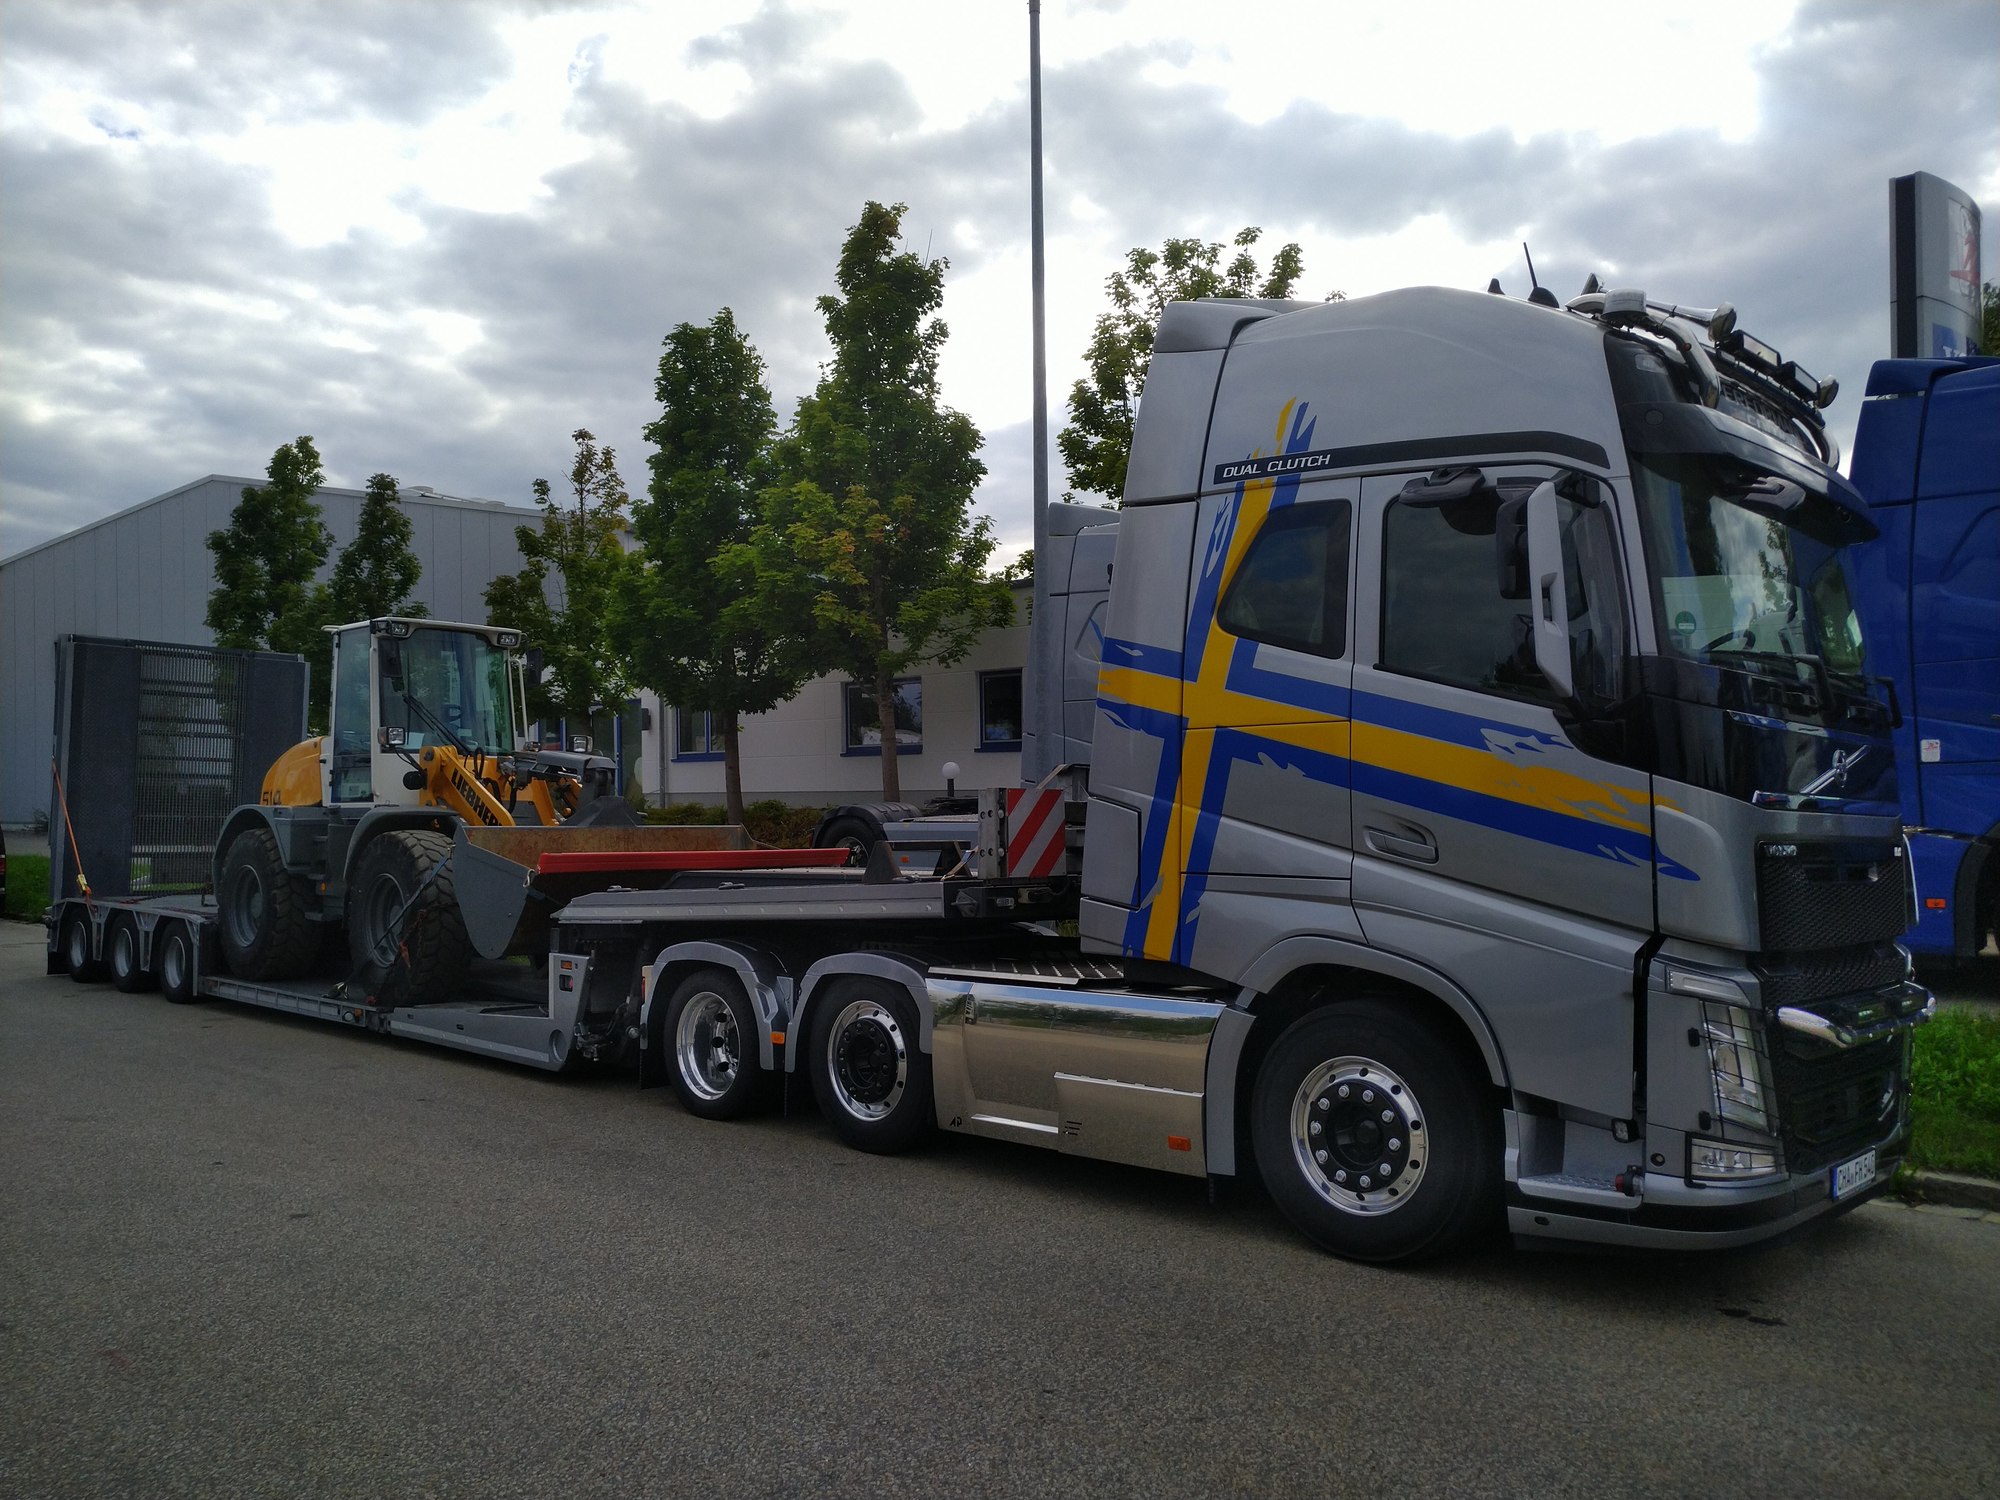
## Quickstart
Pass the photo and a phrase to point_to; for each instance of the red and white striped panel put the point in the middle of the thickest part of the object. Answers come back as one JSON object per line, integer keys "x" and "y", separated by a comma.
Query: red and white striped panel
{"x": 1034, "y": 832}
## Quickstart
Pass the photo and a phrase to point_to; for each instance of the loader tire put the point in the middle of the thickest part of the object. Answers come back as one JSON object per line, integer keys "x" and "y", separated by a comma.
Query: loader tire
{"x": 267, "y": 932}
{"x": 425, "y": 955}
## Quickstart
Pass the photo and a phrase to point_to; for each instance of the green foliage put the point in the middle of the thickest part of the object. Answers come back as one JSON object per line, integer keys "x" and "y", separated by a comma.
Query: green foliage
{"x": 27, "y": 886}
{"x": 378, "y": 570}
{"x": 867, "y": 548}
{"x": 770, "y": 823}
{"x": 1989, "y": 318}
{"x": 574, "y": 555}
{"x": 684, "y": 610}
{"x": 373, "y": 576}
{"x": 1098, "y": 440}
{"x": 1955, "y": 1093}
{"x": 266, "y": 558}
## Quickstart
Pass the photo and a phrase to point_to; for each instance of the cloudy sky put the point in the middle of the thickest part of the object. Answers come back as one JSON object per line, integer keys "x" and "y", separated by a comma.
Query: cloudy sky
{"x": 439, "y": 236}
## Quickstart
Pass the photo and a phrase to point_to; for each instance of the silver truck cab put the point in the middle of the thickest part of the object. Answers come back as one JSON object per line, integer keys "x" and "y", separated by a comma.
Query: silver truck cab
{"x": 1497, "y": 661}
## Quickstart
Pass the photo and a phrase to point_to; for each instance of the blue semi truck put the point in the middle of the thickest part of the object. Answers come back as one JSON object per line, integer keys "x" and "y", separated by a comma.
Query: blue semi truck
{"x": 1927, "y": 457}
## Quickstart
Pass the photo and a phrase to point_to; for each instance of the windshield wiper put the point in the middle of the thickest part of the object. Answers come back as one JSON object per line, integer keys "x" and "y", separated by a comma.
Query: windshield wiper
{"x": 1814, "y": 680}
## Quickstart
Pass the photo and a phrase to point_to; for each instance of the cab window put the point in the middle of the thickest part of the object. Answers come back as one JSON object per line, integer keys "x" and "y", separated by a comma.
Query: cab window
{"x": 1291, "y": 587}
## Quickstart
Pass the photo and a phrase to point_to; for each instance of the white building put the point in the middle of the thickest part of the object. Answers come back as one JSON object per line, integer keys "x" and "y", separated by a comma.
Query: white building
{"x": 824, "y": 746}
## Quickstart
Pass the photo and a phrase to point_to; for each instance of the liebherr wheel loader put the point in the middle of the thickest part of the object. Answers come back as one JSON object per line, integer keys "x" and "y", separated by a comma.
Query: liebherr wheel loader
{"x": 357, "y": 828}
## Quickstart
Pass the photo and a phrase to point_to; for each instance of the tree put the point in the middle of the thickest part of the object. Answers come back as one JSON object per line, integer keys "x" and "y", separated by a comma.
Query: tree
{"x": 377, "y": 571}
{"x": 684, "y": 610}
{"x": 1989, "y": 318}
{"x": 1098, "y": 440}
{"x": 266, "y": 557}
{"x": 560, "y": 597}
{"x": 866, "y": 545}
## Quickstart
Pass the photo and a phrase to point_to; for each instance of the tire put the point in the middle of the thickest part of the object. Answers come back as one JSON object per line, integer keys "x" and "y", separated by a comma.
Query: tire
{"x": 262, "y": 911}
{"x": 76, "y": 945}
{"x": 121, "y": 956}
{"x": 173, "y": 961}
{"x": 872, "y": 1080}
{"x": 713, "y": 1032}
{"x": 1355, "y": 1087}
{"x": 428, "y": 959}
{"x": 855, "y": 834}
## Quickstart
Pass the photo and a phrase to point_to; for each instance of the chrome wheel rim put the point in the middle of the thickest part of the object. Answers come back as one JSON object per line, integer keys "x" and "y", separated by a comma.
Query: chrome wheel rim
{"x": 79, "y": 943}
{"x": 125, "y": 952}
{"x": 868, "y": 1059}
{"x": 378, "y": 914}
{"x": 707, "y": 1046}
{"x": 1359, "y": 1137}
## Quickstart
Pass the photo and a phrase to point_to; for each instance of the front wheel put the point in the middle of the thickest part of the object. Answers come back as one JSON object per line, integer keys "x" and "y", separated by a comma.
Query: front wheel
{"x": 1373, "y": 1134}
{"x": 872, "y": 1079}
{"x": 405, "y": 932}
{"x": 713, "y": 1032}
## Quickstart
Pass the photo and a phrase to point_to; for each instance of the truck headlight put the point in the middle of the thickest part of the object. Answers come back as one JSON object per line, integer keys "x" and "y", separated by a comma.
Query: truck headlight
{"x": 1719, "y": 1161}
{"x": 1736, "y": 1065}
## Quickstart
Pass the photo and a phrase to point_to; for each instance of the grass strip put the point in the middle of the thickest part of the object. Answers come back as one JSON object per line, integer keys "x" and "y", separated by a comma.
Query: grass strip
{"x": 27, "y": 886}
{"x": 1955, "y": 1093}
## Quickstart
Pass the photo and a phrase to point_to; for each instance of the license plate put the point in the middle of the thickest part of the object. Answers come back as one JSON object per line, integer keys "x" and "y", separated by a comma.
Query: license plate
{"x": 1852, "y": 1176}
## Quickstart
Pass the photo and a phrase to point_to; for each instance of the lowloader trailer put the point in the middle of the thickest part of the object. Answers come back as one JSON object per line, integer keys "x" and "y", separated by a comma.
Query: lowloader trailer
{"x": 1463, "y": 799}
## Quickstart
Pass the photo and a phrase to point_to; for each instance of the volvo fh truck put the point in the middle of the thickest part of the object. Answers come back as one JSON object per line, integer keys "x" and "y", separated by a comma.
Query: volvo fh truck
{"x": 1463, "y": 798}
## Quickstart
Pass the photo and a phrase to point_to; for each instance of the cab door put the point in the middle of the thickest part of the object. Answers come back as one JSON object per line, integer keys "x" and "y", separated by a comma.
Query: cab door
{"x": 1264, "y": 778}
{"x": 1488, "y": 843}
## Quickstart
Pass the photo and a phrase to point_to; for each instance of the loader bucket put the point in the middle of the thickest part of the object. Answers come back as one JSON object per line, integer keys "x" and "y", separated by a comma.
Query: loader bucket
{"x": 506, "y": 893}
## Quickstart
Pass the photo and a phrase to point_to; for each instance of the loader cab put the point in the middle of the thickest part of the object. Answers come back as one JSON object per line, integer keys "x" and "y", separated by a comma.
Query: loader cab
{"x": 400, "y": 685}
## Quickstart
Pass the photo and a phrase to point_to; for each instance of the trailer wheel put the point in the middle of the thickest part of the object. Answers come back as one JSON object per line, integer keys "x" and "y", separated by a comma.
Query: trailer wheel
{"x": 76, "y": 943}
{"x": 173, "y": 958}
{"x": 121, "y": 949}
{"x": 872, "y": 1080}
{"x": 425, "y": 955}
{"x": 1372, "y": 1134}
{"x": 266, "y": 933}
{"x": 713, "y": 1031}
{"x": 852, "y": 834}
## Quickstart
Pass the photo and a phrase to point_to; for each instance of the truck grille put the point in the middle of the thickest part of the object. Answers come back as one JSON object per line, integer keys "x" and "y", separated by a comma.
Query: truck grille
{"x": 1834, "y": 1102}
{"x": 1800, "y": 978}
{"x": 1830, "y": 895}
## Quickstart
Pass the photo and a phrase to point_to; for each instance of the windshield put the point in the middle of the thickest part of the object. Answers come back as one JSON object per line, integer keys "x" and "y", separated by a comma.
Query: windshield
{"x": 460, "y": 681}
{"x": 1731, "y": 582}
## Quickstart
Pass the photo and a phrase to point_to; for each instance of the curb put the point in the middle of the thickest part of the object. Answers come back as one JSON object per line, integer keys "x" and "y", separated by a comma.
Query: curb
{"x": 1951, "y": 1189}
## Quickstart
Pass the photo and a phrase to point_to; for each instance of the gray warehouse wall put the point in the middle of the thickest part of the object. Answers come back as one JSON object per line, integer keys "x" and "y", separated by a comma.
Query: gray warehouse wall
{"x": 146, "y": 573}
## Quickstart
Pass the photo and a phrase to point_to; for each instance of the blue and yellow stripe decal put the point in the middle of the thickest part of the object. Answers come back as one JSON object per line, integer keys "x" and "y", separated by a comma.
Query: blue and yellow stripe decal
{"x": 1194, "y": 701}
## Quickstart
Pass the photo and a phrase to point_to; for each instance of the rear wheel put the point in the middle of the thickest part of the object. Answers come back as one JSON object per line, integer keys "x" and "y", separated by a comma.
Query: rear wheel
{"x": 871, "y": 1078}
{"x": 83, "y": 966}
{"x": 1373, "y": 1134}
{"x": 173, "y": 960}
{"x": 121, "y": 951}
{"x": 713, "y": 1031}
{"x": 266, "y": 931}
{"x": 405, "y": 932}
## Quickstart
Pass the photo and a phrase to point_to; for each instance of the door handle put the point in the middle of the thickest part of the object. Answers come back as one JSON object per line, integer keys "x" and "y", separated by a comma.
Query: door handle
{"x": 1407, "y": 842}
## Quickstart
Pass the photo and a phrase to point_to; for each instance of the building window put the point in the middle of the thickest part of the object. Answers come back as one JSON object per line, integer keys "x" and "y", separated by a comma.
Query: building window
{"x": 697, "y": 736}
{"x": 1000, "y": 710}
{"x": 864, "y": 725}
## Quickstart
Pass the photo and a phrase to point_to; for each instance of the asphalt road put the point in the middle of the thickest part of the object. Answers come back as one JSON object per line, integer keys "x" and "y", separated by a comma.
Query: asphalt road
{"x": 243, "y": 1254}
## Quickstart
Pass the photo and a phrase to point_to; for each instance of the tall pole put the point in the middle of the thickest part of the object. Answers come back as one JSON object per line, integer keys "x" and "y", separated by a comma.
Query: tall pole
{"x": 1044, "y": 696}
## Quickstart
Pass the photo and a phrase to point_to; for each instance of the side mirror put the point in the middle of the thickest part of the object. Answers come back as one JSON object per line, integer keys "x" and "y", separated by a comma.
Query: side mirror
{"x": 391, "y": 656}
{"x": 1548, "y": 595}
{"x": 1510, "y": 547}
